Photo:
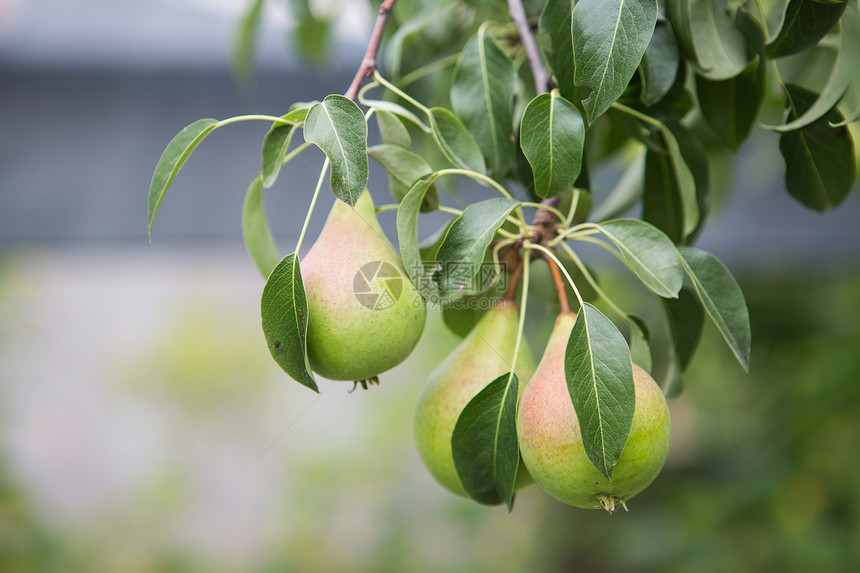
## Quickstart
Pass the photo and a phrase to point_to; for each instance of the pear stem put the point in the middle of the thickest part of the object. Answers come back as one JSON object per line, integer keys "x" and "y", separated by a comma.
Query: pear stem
{"x": 368, "y": 63}
{"x": 521, "y": 327}
{"x": 584, "y": 270}
{"x": 559, "y": 286}
{"x": 574, "y": 203}
{"x": 550, "y": 255}
{"x": 311, "y": 207}
{"x": 511, "y": 291}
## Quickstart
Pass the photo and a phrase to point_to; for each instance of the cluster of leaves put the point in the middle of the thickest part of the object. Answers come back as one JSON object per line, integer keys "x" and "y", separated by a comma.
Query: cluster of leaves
{"x": 664, "y": 85}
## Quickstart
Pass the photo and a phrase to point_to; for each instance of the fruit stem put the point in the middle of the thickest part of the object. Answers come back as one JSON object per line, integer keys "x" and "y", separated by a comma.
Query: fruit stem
{"x": 539, "y": 73}
{"x": 511, "y": 291}
{"x": 587, "y": 274}
{"x": 551, "y": 255}
{"x": 520, "y": 329}
{"x": 310, "y": 212}
{"x": 560, "y": 287}
{"x": 368, "y": 63}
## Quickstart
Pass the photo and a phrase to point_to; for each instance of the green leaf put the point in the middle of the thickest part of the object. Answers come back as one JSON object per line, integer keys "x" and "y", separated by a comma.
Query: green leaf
{"x": 404, "y": 168}
{"x": 680, "y": 14}
{"x": 461, "y": 319}
{"x": 640, "y": 342}
{"x": 672, "y": 382}
{"x": 463, "y": 313}
{"x": 773, "y": 17}
{"x": 482, "y": 94}
{"x": 466, "y": 243}
{"x": 677, "y": 103}
{"x": 669, "y": 200}
{"x": 410, "y": 29}
{"x": 556, "y": 22}
{"x": 695, "y": 155}
{"x": 627, "y": 190}
{"x": 391, "y": 129}
{"x": 407, "y": 235}
{"x": 659, "y": 65}
{"x": 851, "y": 105}
{"x": 648, "y": 252}
{"x": 686, "y": 318}
{"x": 312, "y": 33}
{"x": 552, "y": 136}
{"x": 844, "y": 74}
{"x": 609, "y": 39}
{"x": 731, "y": 106}
{"x": 720, "y": 45}
{"x": 661, "y": 197}
{"x": 805, "y": 23}
{"x": 599, "y": 377}
{"x": 722, "y": 298}
{"x": 284, "y": 309}
{"x": 172, "y": 160}
{"x": 455, "y": 141}
{"x": 820, "y": 163}
{"x": 255, "y": 229}
{"x": 277, "y": 142}
{"x": 430, "y": 244}
{"x": 398, "y": 110}
{"x": 336, "y": 125}
{"x": 484, "y": 443}
{"x": 246, "y": 35}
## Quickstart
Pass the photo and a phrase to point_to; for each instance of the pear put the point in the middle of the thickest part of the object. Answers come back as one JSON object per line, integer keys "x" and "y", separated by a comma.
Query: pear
{"x": 364, "y": 314}
{"x": 480, "y": 358}
{"x": 551, "y": 443}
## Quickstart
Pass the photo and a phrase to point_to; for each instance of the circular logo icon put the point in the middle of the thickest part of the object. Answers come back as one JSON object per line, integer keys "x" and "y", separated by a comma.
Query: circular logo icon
{"x": 377, "y": 285}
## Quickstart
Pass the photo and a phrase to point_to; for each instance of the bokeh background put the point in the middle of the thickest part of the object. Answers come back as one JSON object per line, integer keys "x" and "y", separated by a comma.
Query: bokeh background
{"x": 143, "y": 426}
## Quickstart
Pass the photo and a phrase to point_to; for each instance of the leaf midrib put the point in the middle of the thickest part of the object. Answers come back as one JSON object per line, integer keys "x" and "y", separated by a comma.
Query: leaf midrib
{"x": 599, "y": 89}
{"x": 821, "y": 188}
{"x": 498, "y": 431}
{"x": 712, "y": 309}
{"x": 628, "y": 252}
{"x": 340, "y": 147}
{"x": 489, "y": 230}
{"x": 594, "y": 389}
{"x": 485, "y": 82}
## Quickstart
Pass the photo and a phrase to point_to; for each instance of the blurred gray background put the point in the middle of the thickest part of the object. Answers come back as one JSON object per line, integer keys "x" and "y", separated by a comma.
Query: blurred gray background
{"x": 91, "y": 92}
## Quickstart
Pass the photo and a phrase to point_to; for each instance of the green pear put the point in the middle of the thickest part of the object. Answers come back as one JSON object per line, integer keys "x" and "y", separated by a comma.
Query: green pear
{"x": 364, "y": 314}
{"x": 480, "y": 358}
{"x": 551, "y": 442}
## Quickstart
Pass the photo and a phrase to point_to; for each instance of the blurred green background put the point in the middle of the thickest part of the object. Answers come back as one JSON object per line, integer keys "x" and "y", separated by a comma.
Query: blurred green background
{"x": 174, "y": 444}
{"x": 143, "y": 426}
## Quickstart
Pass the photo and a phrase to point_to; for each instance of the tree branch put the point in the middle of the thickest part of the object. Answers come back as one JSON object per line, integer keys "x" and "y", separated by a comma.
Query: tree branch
{"x": 518, "y": 15}
{"x": 545, "y": 223}
{"x": 368, "y": 63}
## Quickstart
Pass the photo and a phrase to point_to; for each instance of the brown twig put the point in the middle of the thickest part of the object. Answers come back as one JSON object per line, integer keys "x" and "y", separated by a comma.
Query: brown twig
{"x": 513, "y": 281}
{"x": 545, "y": 222}
{"x": 518, "y": 15}
{"x": 560, "y": 287}
{"x": 546, "y": 228}
{"x": 368, "y": 63}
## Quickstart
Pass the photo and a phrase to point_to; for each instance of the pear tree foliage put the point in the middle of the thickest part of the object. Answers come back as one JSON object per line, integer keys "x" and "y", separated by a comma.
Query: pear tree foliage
{"x": 528, "y": 99}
